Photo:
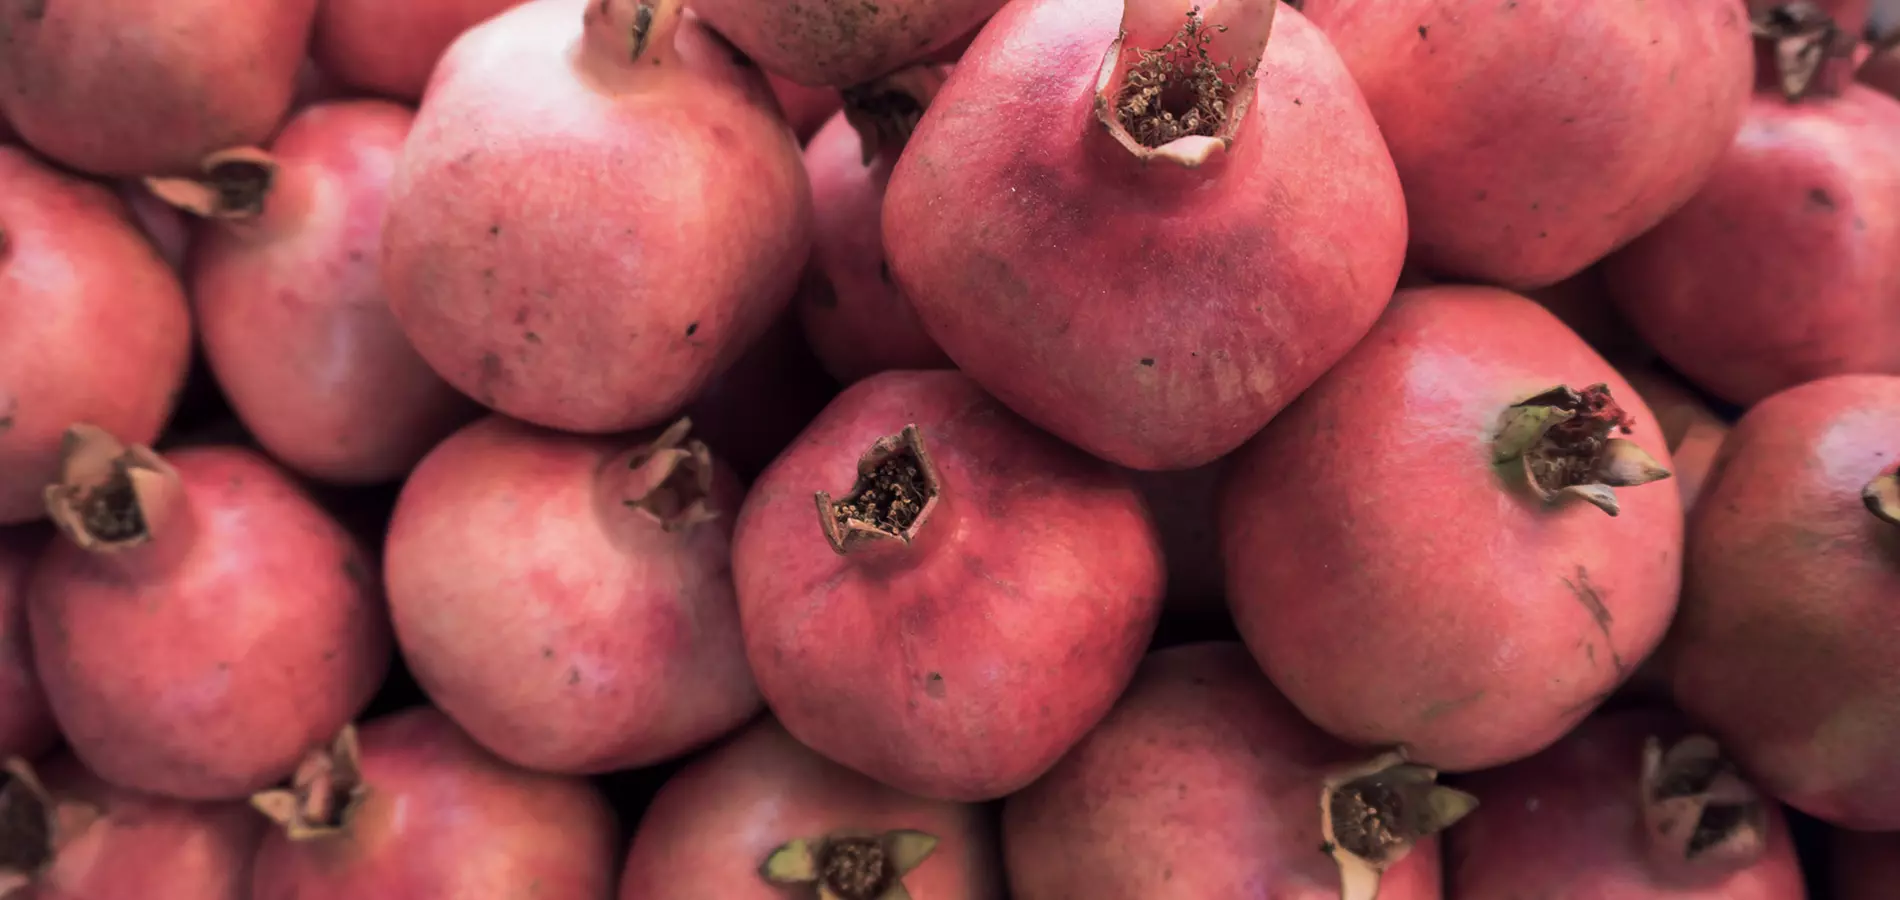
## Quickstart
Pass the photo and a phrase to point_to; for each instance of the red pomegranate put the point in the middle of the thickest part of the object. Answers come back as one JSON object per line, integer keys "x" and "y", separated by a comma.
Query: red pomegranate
{"x": 250, "y": 617}
{"x": 856, "y": 319}
{"x": 845, "y": 43}
{"x": 1692, "y": 430}
{"x": 762, "y": 810}
{"x": 1434, "y": 547}
{"x": 26, "y": 726}
{"x": 1146, "y": 261}
{"x": 411, "y": 808}
{"x": 1803, "y": 204}
{"x": 1866, "y": 865}
{"x": 568, "y": 600}
{"x": 915, "y": 617}
{"x": 390, "y": 49}
{"x": 598, "y": 210}
{"x": 1627, "y": 807}
{"x": 1205, "y": 782}
{"x": 132, "y": 88}
{"x": 1535, "y": 137}
{"x": 289, "y": 301}
{"x": 70, "y": 836}
{"x": 1782, "y": 645}
{"x": 93, "y": 324}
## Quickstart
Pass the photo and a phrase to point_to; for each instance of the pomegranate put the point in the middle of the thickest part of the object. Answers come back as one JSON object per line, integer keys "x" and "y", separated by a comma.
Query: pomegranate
{"x": 1494, "y": 637}
{"x": 131, "y": 88}
{"x": 66, "y": 835}
{"x": 917, "y": 618}
{"x": 163, "y": 225}
{"x": 1782, "y": 646}
{"x": 93, "y": 325}
{"x": 1865, "y": 865}
{"x": 857, "y": 321}
{"x": 250, "y": 617}
{"x": 754, "y": 409}
{"x": 1816, "y": 180}
{"x": 1535, "y": 137}
{"x": 26, "y": 727}
{"x": 608, "y": 641}
{"x": 762, "y": 810}
{"x": 805, "y": 108}
{"x": 540, "y": 267}
{"x": 409, "y": 807}
{"x": 290, "y": 308}
{"x": 391, "y": 48}
{"x": 844, "y": 43}
{"x": 1205, "y": 782}
{"x": 1691, "y": 429}
{"x": 1627, "y": 807}
{"x": 1094, "y": 232}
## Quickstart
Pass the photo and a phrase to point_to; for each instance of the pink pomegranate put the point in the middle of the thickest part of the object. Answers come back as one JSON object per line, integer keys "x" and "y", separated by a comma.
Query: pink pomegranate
{"x": 854, "y": 316}
{"x": 805, "y": 108}
{"x": 130, "y": 87}
{"x": 752, "y": 410}
{"x": 1525, "y": 187}
{"x": 70, "y": 836}
{"x": 1815, "y": 182}
{"x": 1693, "y": 431}
{"x": 1507, "y": 576}
{"x": 593, "y": 218}
{"x": 1627, "y": 807}
{"x": 93, "y": 325}
{"x": 918, "y": 616}
{"x": 1146, "y": 261}
{"x": 762, "y": 810}
{"x": 844, "y": 43}
{"x": 568, "y": 600}
{"x": 408, "y": 807}
{"x": 1205, "y": 782}
{"x": 161, "y": 223}
{"x": 251, "y": 619}
{"x": 1866, "y": 865}
{"x": 1782, "y": 646}
{"x": 391, "y": 48}
{"x": 290, "y": 308}
{"x": 26, "y": 726}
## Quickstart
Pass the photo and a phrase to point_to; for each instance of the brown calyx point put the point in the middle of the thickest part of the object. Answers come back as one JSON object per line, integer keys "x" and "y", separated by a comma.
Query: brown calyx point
{"x": 851, "y": 865}
{"x": 632, "y": 32}
{"x": 233, "y": 186}
{"x": 1703, "y": 820}
{"x": 896, "y": 490}
{"x": 1371, "y": 815}
{"x": 672, "y": 479}
{"x": 1881, "y": 496}
{"x": 110, "y": 495}
{"x": 884, "y": 112}
{"x": 1561, "y": 440}
{"x": 33, "y": 826}
{"x": 1805, "y": 51}
{"x": 1179, "y": 89}
{"x": 324, "y": 794}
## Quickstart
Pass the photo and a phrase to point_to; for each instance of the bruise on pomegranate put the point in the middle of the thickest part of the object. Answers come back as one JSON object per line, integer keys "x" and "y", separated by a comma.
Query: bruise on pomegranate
{"x": 1178, "y": 90}
{"x": 1563, "y": 439}
{"x": 1371, "y": 815}
{"x": 851, "y": 866}
{"x": 897, "y": 484}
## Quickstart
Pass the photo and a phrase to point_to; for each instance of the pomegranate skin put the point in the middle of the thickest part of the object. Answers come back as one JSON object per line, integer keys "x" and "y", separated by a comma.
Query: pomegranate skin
{"x": 1866, "y": 865}
{"x": 1026, "y": 239}
{"x": 1568, "y": 822}
{"x": 1201, "y": 783}
{"x": 539, "y": 269}
{"x": 1493, "y": 638}
{"x": 1611, "y": 119}
{"x": 856, "y": 319}
{"x": 130, "y": 87}
{"x": 93, "y": 325}
{"x": 257, "y": 634}
{"x": 390, "y": 49}
{"x": 714, "y": 822}
{"x": 291, "y": 311}
{"x": 26, "y": 725}
{"x": 605, "y": 642}
{"x": 1782, "y": 644}
{"x": 843, "y": 43}
{"x": 806, "y": 109}
{"x": 1819, "y": 187}
{"x": 444, "y": 818}
{"x": 145, "y": 847}
{"x": 904, "y": 663}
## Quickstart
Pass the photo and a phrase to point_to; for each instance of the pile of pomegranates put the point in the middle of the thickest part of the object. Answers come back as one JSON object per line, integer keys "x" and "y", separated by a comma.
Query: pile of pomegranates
{"x": 949, "y": 449}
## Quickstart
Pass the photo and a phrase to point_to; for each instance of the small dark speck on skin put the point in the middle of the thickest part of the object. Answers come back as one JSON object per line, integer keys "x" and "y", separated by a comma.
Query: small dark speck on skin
{"x": 1148, "y": 361}
{"x": 6, "y": 422}
{"x": 1482, "y": 195}
{"x": 1543, "y": 234}
{"x": 691, "y": 328}
{"x": 1423, "y": 31}
{"x": 494, "y": 231}
{"x": 547, "y": 652}
{"x": 1296, "y": 102}
{"x": 573, "y": 676}
{"x": 1821, "y": 198}
{"x": 224, "y": 666}
{"x": 934, "y": 684}
{"x": 531, "y": 338}
{"x": 1570, "y": 120}
{"x": 329, "y": 656}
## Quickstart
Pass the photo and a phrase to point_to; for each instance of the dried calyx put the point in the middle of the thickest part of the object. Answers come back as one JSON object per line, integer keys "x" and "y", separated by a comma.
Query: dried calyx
{"x": 623, "y": 33}
{"x": 884, "y": 112}
{"x": 1177, "y": 82}
{"x": 324, "y": 793}
{"x": 233, "y": 186}
{"x": 896, "y": 491}
{"x": 1882, "y": 497}
{"x": 1804, "y": 52}
{"x": 1702, "y": 820}
{"x": 671, "y": 479}
{"x": 1371, "y": 816}
{"x": 850, "y": 865}
{"x": 110, "y": 495}
{"x": 33, "y": 826}
{"x": 1561, "y": 440}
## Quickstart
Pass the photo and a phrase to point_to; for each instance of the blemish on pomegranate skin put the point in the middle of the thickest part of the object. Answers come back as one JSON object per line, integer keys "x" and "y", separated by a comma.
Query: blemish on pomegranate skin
{"x": 1148, "y": 361}
{"x": 691, "y": 328}
{"x": 33, "y": 10}
{"x": 933, "y": 685}
{"x": 1820, "y": 199}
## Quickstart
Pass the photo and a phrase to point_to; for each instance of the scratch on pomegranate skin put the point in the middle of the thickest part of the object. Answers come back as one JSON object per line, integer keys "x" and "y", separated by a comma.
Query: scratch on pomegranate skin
{"x": 1441, "y": 708}
{"x": 1592, "y": 602}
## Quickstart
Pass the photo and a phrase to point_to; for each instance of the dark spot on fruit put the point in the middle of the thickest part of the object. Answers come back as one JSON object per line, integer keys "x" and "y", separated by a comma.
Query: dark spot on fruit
{"x": 224, "y": 666}
{"x": 1570, "y": 120}
{"x": 1820, "y": 198}
{"x": 1543, "y": 234}
{"x": 356, "y": 256}
{"x": 329, "y": 655}
{"x": 884, "y": 272}
{"x": 491, "y": 372}
{"x": 547, "y": 652}
{"x": 691, "y": 328}
{"x": 1296, "y": 102}
{"x": 1534, "y": 205}
{"x": 573, "y": 675}
{"x": 489, "y": 273}
{"x": 1481, "y": 195}
{"x": 934, "y": 684}
{"x": 1423, "y": 31}
{"x": 1148, "y": 361}
{"x": 531, "y": 337}
{"x": 494, "y": 231}
{"x": 33, "y": 10}
{"x": 723, "y": 136}
{"x": 1592, "y": 602}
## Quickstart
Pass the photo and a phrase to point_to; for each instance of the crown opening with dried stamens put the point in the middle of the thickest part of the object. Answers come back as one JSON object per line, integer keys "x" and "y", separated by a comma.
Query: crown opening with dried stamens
{"x": 1177, "y": 82}
{"x": 884, "y": 112}
{"x": 1703, "y": 820}
{"x": 234, "y": 185}
{"x": 669, "y": 479}
{"x": 1562, "y": 441}
{"x": 112, "y": 496}
{"x": 851, "y": 865}
{"x": 324, "y": 793}
{"x": 896, "y": 490}
{"x": 1803, "y": 52}
{"x": 1371, "y": 815}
